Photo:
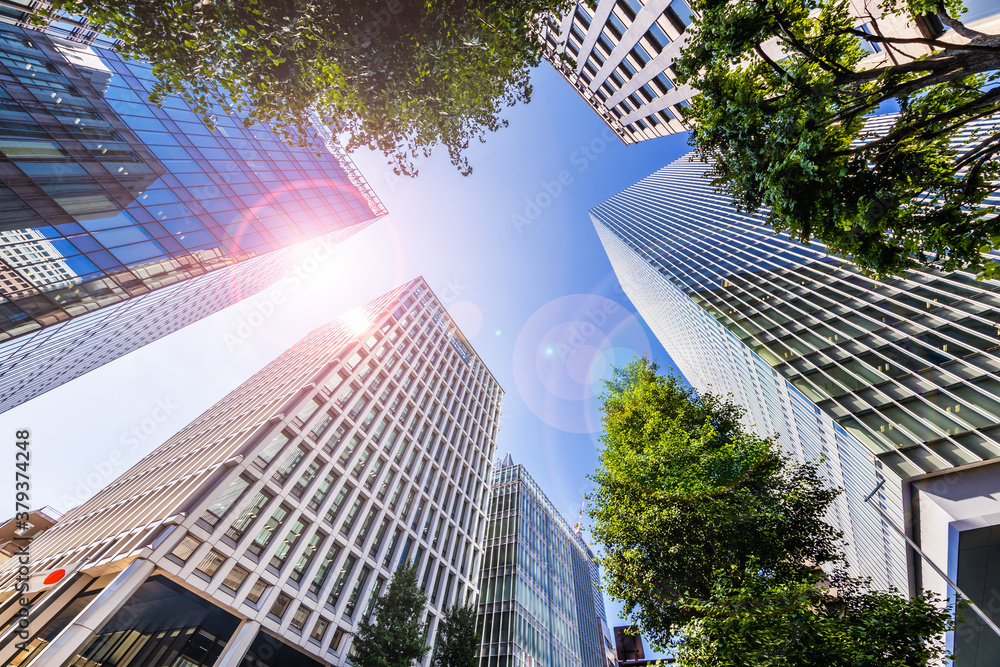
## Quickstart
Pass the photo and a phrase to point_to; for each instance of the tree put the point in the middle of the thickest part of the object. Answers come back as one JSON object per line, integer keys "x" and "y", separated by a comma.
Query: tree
{"x": 457, "y": 641}
{"x": 397, "y": 76}
{"x": 782, "y": 117}
{"x": 396, "y": 637}
{"x": 714, "y": 541}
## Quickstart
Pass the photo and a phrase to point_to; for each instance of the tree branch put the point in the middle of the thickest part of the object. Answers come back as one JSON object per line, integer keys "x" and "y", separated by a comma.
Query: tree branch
{"x": 970, "y": 178}
{"x": 990, "y": 98}
{"x": 979, "y": 152}
{"x": 833, "y": 68}
{"x": 918, "y": 40}
{"x": 907, "y": 88}
{"x": 783, "y": 73}
{"x": 957, "y": 25}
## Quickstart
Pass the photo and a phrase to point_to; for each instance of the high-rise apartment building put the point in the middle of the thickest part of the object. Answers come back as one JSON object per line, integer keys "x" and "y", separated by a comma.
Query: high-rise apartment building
{"x": 619, "y": 56}
{"x": 260, "y": 534}
{"x": 121, "y": 222}
{"x": 890, "y": 381}
{"x": 540, "y": 605}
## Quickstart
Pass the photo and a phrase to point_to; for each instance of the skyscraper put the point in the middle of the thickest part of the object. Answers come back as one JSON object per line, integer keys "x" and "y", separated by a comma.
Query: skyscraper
{"x": 540, "y": 605}
{"x": 619, "y": 56}
{"x": 121, "y": 222}
{"x": 892, "y": 382}
{"x": 260, "y": 534}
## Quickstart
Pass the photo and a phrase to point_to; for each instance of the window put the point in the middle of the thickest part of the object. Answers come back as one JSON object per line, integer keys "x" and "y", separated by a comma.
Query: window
{"x": 384, "y": 487}
{"x": 345, "y": 456}
{"x": 280, "y": 606}
{"x": 358, "y": 407}
{"x": 373, "y": 597}
{"x": 362, "y": 460}
{"x": 217, "y": 510}
{"x": 307, "y": 411}
{"x": 379, "y": 535}
{"x": 319, "y": 630}
{"x": 272, "y": 448}
{"x": 391, "y": 548}
{"x": 322, "y": 491}
{"x": 286, "y": 546}
{"x": 334, "y": 440}
{"x": 366, "y": 526}
{"x": 288, "y": 466}
{"x": 370, "y": 419}
{"x": 187, "y": 547}
{"x": 321, "y": 427}
{"x": 657, "y": 38}
{"x": 338, "y": 638}
{"x": 640, "y": 55}
{"x": 338, "y": 503}
{"x": 678, "y": 14}
{"x": 299, "y": 618}
{"x": 416, "y": 515}
{"x": 306, "y": 557}
{"x": 248, "y": 515}
{"x": 344, "y": 396}
{"x": 305, "y": 479}
{"x": 256, "y": 591}
{"x": 352, "y": 515}
{"x": 268, "y": 531}
{"x": 235, "y": 578}
{"x": 335, "y": 381}
{"x": 211, "y": 563}
{"x": 338, "y": 586}
{"x": 324, "y": 570}
{"x": 359, "y": 585}
{"x": 871, "y": 47}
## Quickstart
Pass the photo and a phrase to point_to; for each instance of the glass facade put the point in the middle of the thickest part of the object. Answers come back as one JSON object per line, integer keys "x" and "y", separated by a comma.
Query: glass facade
{"x": 286, "y": 487}
{"x": 539, "y": 588}
{"x": 105, "y": 198}
{"x": 885, "y": 379}
{"x": 163, "y": 625}
{"x": 978, "y": 569}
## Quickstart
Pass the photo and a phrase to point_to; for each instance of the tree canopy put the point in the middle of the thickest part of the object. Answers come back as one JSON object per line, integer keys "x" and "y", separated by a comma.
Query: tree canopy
{"x": 716, "y": 543}
{"x": 396, "y": 76}
{"x": 395, "y": 638}
{"x": 457, "y": 642}
{"x": 786, "y": 91}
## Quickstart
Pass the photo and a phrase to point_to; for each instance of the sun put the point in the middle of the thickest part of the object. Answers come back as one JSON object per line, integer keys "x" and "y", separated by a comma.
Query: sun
{"x": 358, "y": 321}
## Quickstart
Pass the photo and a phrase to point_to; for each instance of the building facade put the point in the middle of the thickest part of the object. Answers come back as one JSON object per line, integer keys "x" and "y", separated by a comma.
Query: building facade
{"x": 121, "y": 222}
{"x": 891, "y": 384}
{"x": 260, "y": 534}
{"x": 619, "y": 56}
{"x": 539, "y": 582}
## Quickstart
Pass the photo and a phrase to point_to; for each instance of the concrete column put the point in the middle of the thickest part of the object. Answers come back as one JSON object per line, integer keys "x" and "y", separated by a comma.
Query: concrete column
{"x": 238, "y": 646}
{"x": 73, "y": 638}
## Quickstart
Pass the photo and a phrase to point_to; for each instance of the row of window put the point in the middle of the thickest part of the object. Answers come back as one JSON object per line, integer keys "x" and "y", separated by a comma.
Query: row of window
{"x": 365, "y": 433}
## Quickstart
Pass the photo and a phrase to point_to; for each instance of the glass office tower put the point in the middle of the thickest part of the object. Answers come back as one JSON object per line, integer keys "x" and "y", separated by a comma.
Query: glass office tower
{"x": 892, "y": 380}
{"x": 121, "y": 222}
{"x": 261, "y": 533}
{"x": 538, "y": 605}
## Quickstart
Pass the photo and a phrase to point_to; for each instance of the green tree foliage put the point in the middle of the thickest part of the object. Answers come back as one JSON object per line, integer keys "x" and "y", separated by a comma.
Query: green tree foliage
{"x": 397, "y": 76}
{"x": 714, "y": 541}
{"x": 457, "y": 640}
{"x": 781, "y": 117}
{"x": 396, "y": 636}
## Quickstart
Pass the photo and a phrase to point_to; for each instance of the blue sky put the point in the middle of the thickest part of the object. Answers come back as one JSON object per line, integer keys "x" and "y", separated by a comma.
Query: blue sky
{"x": 510, "y": 249}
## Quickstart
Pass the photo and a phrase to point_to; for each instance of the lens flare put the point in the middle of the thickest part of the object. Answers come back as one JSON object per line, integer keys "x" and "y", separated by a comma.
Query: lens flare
{"x": 566, "y": 350}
